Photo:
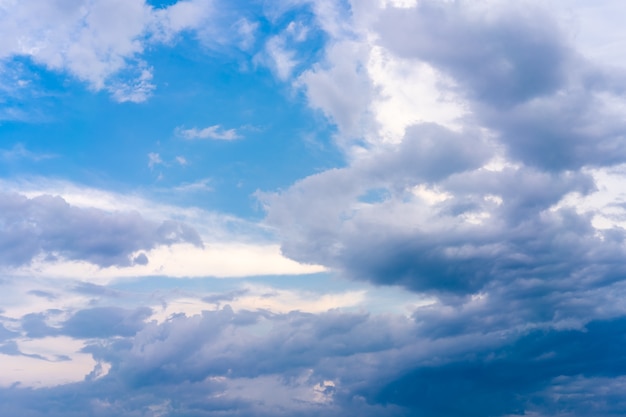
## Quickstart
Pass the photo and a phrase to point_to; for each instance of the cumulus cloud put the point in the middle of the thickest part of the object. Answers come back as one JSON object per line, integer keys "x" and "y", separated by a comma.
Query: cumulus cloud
{"x": 529, "y": 103}
{"x": 478, "y": 211}
{"x": 47, "y": 226}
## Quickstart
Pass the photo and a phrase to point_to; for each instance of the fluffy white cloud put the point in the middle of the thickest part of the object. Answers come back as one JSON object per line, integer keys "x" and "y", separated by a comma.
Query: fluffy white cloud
{"x": 99, "y": 42}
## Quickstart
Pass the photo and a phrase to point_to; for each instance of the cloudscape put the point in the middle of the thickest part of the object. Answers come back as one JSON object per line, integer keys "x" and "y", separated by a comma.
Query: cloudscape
{"x": 312, "y": 208}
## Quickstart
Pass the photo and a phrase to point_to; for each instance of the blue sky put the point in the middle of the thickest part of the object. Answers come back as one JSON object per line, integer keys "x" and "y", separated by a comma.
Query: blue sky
{"x": 296, "y": 207}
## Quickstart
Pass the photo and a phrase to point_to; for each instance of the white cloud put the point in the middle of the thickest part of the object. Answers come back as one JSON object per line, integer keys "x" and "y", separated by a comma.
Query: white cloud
{"x": 279, "y": 57}
{"x": 19, "y": 151}
{"x": 342, "y": 88}
{"x": 246, "y": 31}
{"x": 202, "y": 185}
{"x": 215, "y": 132}
{"x": 91, "y": 40}
{"x": 410, "y": 92}
{"x": 154, "y": 159}
{"x": 136, "y": 90}
{"x": 218, "y": 259}
{"x": 181, "y": 16}
{"x": 98, "y": 41}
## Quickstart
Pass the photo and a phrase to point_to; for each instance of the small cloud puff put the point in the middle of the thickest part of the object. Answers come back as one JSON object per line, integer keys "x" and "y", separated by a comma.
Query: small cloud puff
{"x": 154, "y": 159}
{"x": 215, "y": 132}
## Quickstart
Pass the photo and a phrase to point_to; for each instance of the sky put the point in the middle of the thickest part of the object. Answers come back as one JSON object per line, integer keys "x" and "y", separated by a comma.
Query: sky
{"x": 312, "y": 207}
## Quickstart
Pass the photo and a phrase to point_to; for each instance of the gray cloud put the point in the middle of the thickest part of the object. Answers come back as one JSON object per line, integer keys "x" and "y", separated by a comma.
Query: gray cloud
{"x": 104, "y": 322}
{"x": 507, "y": 380}
{"x": 524, "y": 84}
{"x": 380, "y": 365}
{"x": 528, "y": 312}
{"x": 488, "y": 226}
{"x": 49, "y": 226}
{"x": 550, "y": 107}
{"x": 502, "y": 55}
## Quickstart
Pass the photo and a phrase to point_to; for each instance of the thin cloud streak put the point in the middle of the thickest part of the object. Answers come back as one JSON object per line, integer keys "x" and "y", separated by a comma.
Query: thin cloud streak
{"x": 215, "y": 132}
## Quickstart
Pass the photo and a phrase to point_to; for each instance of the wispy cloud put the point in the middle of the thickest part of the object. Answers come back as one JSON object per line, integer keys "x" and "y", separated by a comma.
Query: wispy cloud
{"x": 215, "y": 132}
{"x": 200, "y": 185}
{"x": 19, "y": 151}
{"x": 154, "y": 159}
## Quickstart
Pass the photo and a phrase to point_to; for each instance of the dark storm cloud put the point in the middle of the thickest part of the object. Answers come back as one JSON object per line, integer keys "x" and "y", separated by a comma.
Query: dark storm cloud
{"x": 48, "y": 225}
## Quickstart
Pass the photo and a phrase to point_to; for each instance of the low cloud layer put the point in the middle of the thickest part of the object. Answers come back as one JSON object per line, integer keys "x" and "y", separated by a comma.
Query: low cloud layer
{"x": 331, "y": 363}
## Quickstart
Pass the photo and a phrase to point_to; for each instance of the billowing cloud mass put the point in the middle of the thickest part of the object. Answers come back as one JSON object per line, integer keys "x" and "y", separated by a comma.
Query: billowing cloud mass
{"x": 464, "y": 256}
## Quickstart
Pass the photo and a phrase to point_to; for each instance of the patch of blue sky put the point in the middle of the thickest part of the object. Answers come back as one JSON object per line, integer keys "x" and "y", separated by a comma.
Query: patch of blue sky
{"x": 107, "y": 144}
{"x": 161, "y": 4}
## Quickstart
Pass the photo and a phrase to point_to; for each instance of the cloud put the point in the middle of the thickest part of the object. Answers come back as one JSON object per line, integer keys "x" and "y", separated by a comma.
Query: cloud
{"x": 507, "y": 381}
{"x": 527, "y": 103}
{"x": 136, "y": 91}
{"x": 341, "y": 87}
{"x": 513, "y": 52}
{"x": 475, "y": 209}
{"x": 154, "y": 159}
{"x": 281, "y": 59}
{"x": 105, "y": 322}
{"x": 214, "y": 248}
{"x": 19, "y": 151}
{"x": 498, "y": 206}
{"x": 334, "y": 362}
{"x": 47, "y": 226}
{"x": 98, "y": 42}
{"x": 215, "y": 132}
{"x": 202, "y": 185}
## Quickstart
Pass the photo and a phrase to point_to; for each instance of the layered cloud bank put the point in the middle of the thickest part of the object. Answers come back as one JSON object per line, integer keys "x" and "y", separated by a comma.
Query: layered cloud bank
{"x": 467, "y": 259}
